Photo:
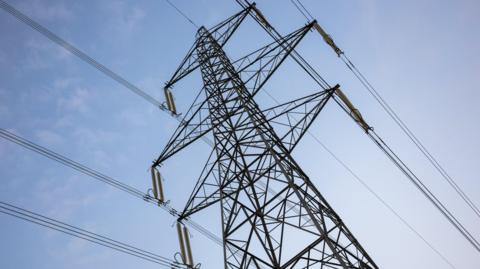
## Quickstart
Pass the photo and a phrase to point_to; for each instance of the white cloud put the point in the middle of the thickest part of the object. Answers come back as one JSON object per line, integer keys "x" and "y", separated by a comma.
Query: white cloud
{"x": 78, "y": 253}
{"x": 124, "y": 18}
{"x": 63, "y": 83}
{"x": 132, "y": 18}
{"x": 71, "y": 97}
{"x": 94, "y": 136}
{"x": 133, "y": 118}
{"x": 4, "y": 153}
{"x": 64, "y": 122}
{"x": 76, "y": 245}
{"x": 42, "y": 54}
{"x": 47, "y": 11}
{"x": 76, "y": 100}
{"x": 3, "y": 57}
{"x": 60, "y": 196}
{"x": 4, "y": 110}
{"x": 47, "y": 137}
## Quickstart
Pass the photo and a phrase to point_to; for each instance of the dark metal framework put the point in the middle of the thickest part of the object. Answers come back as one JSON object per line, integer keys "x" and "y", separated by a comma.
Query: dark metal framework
{"x": 272, "y": 214}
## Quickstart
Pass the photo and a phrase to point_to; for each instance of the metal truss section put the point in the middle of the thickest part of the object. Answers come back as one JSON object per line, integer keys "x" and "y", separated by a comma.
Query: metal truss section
{"x": 292, "y": 119}
{"x": 257, "y": 67}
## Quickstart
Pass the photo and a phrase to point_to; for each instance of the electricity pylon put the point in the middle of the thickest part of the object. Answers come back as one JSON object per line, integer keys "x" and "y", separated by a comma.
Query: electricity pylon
{"x": 272, "y": 215}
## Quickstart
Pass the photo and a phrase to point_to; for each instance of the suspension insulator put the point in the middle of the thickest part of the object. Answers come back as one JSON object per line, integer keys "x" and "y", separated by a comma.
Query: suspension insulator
{"x": 185, "y": 247}
{"x": 181, "y": 242}
{"x": 157, "y": 186}
{"x": 327, "y": 38}
{"x": 170, "y": 102}
{"x": 154, "y": 182}
{"x": 352, "y": 110}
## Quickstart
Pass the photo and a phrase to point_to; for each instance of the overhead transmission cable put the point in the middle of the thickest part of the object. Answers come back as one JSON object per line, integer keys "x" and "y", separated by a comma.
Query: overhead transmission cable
{"x": 103, "y": 178}
{"x": 74, "y": 51}
{"x": 181, "y": 13}
{"x": 80, "y": 233}
{"x": 306, "y": 10}
{"x": 70, "y": 163}
{"x": 413, "y": 178}
{"x": 394, "y": 116}
{"x": 77, "y": 52}
{"x": 384, "y": 203}
{"x": 102, "y": 68}
{"x": 424, "y": 189}
{"x": 299, "y": 9}
{"x": 161, "y": 106}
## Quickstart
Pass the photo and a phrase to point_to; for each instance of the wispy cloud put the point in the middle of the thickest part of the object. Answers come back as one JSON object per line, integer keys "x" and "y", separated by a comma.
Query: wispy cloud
{"x": 132, "y": 18}
{"x": 124, "y": 18}
{"x": 60, "y": 196}
{"x": 4, "y": 109}
{"x": 65, "y": 82}
{"x": 48, "y": 11}
{"x": 75, "y": 100}
{"x": 86, "y": 256}
{"x": 49, "y": 138}
{"x": 133, "y": 118}
{"x": 97, "y": 144}
{"x": 3, "y": 57}
{"x": 42, "y": 54}
{"x": 72, "y": 95}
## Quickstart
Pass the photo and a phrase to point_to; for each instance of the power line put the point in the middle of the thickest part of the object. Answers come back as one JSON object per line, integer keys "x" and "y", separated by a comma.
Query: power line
{"x": 160, "y": 105}
{"x": 47, "y": 33}
{"x": 80, "y": 54}
{"x": 306, "y": 10}
{"x": 416, "y": 181}
{"x": 424, "y": 189}
{"x": 181, "y": 13}
{"x": 103, "y": 178}
{"x": 379, "y": 198}
{"x": 394, "y": 116}
{"x": 299, "y": 9}
{"x": 433, "y": 161}
{"x": 74, "y": 231}
{"x": 90, "y": 172}
{"x": 70, "y": 163}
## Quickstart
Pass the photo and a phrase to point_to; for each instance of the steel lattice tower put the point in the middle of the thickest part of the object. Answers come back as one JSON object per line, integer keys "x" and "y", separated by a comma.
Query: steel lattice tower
{"x": 272, "y": 215}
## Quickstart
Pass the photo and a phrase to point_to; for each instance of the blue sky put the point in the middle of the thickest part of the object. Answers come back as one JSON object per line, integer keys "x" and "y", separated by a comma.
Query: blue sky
{"x": 423, "y": 56}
